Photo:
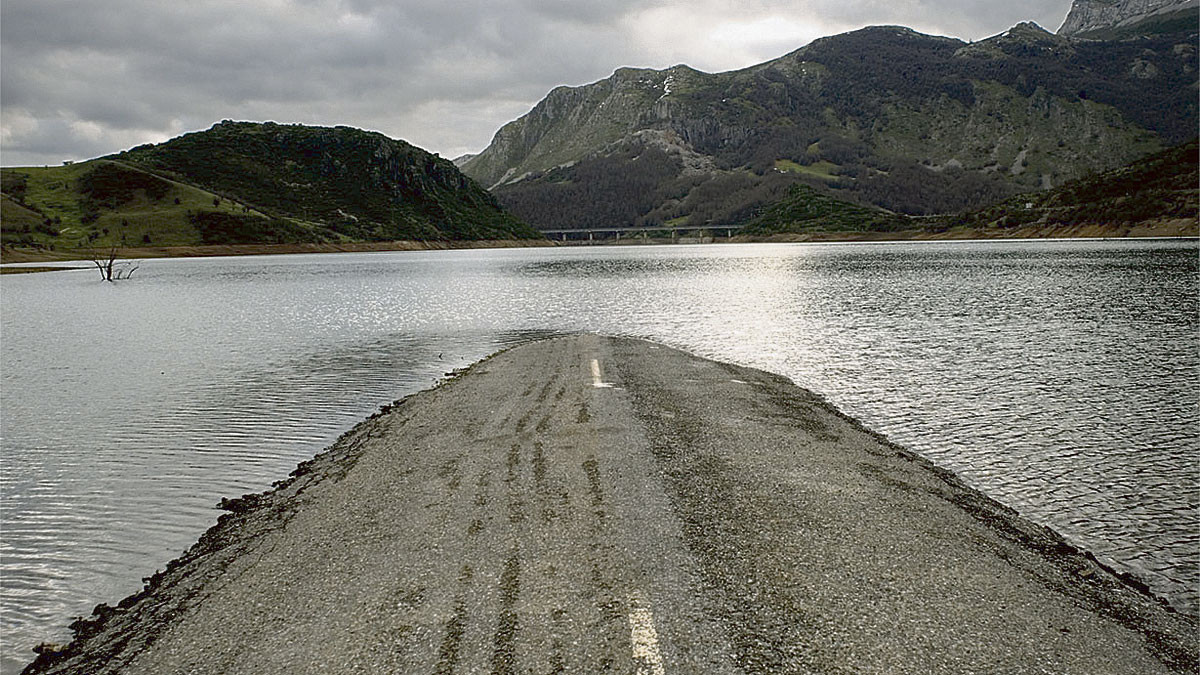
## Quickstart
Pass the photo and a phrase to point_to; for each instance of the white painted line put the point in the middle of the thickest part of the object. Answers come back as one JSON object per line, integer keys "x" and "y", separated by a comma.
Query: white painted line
{"x": 596, "y": 375}
{"x": 646, "y": 653}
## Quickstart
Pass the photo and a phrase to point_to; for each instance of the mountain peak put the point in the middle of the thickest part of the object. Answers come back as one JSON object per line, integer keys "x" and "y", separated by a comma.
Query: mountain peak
{"x": 1028, "y": 32}
{"x": 1029, "y": 27}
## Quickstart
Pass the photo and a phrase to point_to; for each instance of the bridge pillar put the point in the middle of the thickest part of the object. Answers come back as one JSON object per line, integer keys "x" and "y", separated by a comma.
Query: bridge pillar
{"x": 591, "y": 236}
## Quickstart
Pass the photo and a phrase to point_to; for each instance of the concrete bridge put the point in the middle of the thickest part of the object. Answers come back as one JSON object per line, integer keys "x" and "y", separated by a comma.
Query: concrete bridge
{"x": 591, "y": 233}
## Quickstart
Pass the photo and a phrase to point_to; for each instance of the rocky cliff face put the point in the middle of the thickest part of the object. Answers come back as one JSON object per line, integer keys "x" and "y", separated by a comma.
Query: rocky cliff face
{"x": 574, "y": 121}
{"x": 1091, "y": 15}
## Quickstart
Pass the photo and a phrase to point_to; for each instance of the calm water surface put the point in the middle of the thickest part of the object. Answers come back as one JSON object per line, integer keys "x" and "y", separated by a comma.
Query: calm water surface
{"x": 1059, "y": 377}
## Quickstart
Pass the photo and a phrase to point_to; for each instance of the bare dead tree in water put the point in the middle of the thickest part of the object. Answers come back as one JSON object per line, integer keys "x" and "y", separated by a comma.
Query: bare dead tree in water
{"x": 110, "y": 268}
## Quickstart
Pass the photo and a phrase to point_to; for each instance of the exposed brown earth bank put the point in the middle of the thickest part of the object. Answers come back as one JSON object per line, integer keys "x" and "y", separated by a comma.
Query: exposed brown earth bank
{"x": 35, "y": 255}
{"x": 31, "y": 270}
{"x": 585, "y": 504}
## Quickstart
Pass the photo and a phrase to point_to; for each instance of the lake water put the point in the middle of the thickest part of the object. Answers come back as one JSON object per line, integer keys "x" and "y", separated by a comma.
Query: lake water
{"x": 1061, "y": 378}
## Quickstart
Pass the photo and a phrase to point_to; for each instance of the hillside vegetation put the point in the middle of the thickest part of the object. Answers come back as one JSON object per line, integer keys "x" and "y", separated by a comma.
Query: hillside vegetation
{"x": 1159, "y": 194}
{"x": 248, "y": 183}
{"x": 805, "y": 210}
{"x": 1164, "y": 186}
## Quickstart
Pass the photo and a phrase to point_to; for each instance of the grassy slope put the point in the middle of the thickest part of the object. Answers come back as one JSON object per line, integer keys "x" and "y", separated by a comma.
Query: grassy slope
{"x": 124, "y": 206}
{"x": 822, "y": 170}
{"x": 15, "y": 217}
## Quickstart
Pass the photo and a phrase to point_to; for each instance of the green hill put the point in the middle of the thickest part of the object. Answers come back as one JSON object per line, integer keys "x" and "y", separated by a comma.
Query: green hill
{"x": 804, "y": 210}
{"x": 249, "y": 183}
{"x": 358, "y": 184}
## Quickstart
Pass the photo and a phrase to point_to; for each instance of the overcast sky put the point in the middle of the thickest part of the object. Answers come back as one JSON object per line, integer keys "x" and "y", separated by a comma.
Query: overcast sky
{"x": 84, "y": 78}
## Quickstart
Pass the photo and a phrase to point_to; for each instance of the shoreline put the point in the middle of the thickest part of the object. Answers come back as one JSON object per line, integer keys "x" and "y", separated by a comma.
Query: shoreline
{"x": 129, "y": 630}
{"x": 1176, "y": 229}
{"x": 1179, "y": 228}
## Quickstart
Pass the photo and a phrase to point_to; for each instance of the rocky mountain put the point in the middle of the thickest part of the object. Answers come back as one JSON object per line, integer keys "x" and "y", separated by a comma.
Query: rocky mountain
{"x": 1089, "y": 17}
{"x": 882, "y": 116}
{"x": 243, "y": 182}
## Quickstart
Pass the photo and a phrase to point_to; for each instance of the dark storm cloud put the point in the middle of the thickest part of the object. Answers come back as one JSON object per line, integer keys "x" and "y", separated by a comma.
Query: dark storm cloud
{"x": 80, "y": 78}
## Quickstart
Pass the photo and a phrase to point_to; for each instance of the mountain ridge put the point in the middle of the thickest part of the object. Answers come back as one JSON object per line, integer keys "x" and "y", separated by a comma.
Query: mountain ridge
{"x": 883, "y": 116}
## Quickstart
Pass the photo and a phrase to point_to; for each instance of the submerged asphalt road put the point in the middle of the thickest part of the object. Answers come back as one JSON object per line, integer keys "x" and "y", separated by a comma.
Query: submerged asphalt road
{"x": 590, "y": 505}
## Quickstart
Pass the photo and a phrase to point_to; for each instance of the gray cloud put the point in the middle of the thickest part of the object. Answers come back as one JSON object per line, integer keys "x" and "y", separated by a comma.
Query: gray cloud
{"x": 80, "y": 78}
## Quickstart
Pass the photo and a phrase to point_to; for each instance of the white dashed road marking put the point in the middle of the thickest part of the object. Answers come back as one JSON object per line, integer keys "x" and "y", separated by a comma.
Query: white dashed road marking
{"x": 596, "y": 375}
{"x": 645, "y": 640}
